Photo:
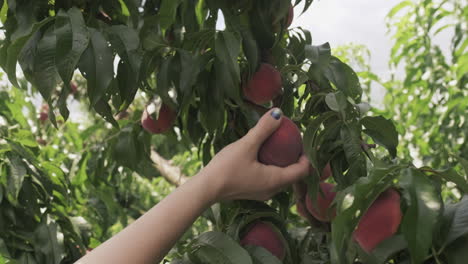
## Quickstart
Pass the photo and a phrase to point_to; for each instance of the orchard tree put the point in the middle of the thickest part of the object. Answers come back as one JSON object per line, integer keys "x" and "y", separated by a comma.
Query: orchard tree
{"x": 168, "y": 80}
{"x": 433, "y": 128}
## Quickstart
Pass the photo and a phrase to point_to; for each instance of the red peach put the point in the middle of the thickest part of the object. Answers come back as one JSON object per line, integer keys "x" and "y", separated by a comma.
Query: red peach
{"x": 380, "y": 221}
{"x": 263, "y": 235}
{"x": 74, "y": 87}
{"x": 43, "y": 116}
{"x": 283, "y": 147}
{"x": 162, "y": 124}
{"x": 322, "y": 212}
{"x": 264, "y": 86}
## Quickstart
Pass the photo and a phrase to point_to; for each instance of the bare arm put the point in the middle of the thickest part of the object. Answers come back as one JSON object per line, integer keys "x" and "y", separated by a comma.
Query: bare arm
{"x": 149, "y": 238}
{"x": 234, "y": 173}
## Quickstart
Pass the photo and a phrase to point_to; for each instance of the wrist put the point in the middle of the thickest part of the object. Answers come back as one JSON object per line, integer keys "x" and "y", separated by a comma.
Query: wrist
{"x": 208, "y": 187}
{"x": 211, "y": 186}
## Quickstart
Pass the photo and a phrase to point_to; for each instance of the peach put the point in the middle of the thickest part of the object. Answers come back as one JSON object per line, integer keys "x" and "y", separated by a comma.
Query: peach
{"x": 380, "y": 221}
{"x": 73, "y": 87}
{"x": 43, "y": 116}
{"x": 283, "y": 147}
{"x": 164, "y": 122}
{"x": 264, "y": 86}
{"x": 322, "y": 212}
{"x": 263, "y": 235}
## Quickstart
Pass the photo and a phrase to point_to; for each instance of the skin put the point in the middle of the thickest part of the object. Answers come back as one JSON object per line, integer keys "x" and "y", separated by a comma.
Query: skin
{"x": 234, "y": 173}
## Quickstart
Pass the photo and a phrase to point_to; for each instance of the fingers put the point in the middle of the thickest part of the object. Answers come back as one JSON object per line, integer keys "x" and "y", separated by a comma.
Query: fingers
{"x": 295, "y": 172}
{"x": 267, "y": 124}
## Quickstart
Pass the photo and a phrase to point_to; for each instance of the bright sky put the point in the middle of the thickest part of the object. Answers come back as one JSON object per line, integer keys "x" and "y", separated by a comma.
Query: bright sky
{"x": 359, "y": 21}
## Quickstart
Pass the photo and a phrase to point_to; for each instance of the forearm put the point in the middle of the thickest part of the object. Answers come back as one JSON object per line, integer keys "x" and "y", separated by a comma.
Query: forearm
{"x": 150, "y": 237}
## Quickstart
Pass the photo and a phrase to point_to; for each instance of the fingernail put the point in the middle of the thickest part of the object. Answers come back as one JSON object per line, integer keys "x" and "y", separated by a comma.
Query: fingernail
{"x": 276, "y": 113}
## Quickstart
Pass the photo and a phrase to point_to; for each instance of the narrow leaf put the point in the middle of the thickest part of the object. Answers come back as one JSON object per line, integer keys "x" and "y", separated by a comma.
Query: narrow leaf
{"x": 15, "y": 48}
{"x": 96, "y": 65}
{"x": 15, "y": 177}
{"x": 223, "y": 244}
{"x": 382, "y": 131}
{"x": 459, "y": 225}
{"x": 420, "y": 219}
{"x": 73, "y": 38}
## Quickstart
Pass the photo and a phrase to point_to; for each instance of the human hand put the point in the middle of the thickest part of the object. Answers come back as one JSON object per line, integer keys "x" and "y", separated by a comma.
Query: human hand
{"x": 235, "y": 172}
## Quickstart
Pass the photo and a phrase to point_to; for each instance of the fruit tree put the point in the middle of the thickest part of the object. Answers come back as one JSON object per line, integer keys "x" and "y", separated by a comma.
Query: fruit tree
{"x": 171, "y": 79}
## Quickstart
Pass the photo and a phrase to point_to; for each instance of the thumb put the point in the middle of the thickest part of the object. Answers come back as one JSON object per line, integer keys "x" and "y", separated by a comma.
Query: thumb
{"x": 267, "y": 124}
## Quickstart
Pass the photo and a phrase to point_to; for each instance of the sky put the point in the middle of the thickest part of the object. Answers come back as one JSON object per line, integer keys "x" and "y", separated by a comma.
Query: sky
{"x": 343, "y": 21}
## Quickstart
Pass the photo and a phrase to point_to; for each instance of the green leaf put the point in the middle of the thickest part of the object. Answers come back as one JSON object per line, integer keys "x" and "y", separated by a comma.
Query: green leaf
{"x": 344, "y": 78}
{"x": 3, "y": 249}
{"x": 25, "y": 137}
{"x": 337, "y": 102}
{"x": 125, "y": 151}
{"x": 250, "y": 48}
{"x": 201, "y": 12}
{"x": 261, "y": 25}
{"x": 96, "y": 65}
{"x": 4, "y": 11}
{"x": 350, "y": 136}
{"x": 213, "y": 246}
{"x": 44, "y": 73}
{"x": 307, "y": 5}
{"x": 126, "y": 42}
{"x": 311, "y": 133}
{"x": 46, "y": 242}
{"x": 15, "y": 48}
{"x": 459, "y": 224}
{"x": 398, "y": 7}
{"x": 452, "y": 175}
{"x": 261, "y": 256}
{"x": 81, "y": 175}
{"x": 457, "y": 253}
{"x": 421, "y": 216}
{"x": 132, "y": 6}
{"x": 181, "y": 261}
{"x": 382, "y": 131}
{"x": 167, "y": 13}
{"x": 227, "y": 47}
{"x": 15, "y": 178}
{"x": 103, "y": 109}
{"x": 319, "y": 55}
{"x": 73, "y": 36}
{"x": 124, "y": 39}
{"x": 464, "y": 164}
{"x": 188, "y": 76}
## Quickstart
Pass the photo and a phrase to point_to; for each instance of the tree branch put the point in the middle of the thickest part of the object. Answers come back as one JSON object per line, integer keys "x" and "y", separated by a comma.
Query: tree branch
{"x": 171, "y": 173}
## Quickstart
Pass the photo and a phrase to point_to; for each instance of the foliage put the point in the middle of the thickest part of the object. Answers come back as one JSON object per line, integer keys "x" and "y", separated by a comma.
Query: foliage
{"x": 428, "y": 101}
{"x": 85, "y": 184}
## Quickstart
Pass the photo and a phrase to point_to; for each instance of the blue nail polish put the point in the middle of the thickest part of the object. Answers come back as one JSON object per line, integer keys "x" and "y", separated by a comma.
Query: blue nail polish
{"x": 276, "y": 113}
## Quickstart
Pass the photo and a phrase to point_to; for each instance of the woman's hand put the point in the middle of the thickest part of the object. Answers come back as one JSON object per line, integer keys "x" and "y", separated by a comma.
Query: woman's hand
{"x": 235, "y": 172}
